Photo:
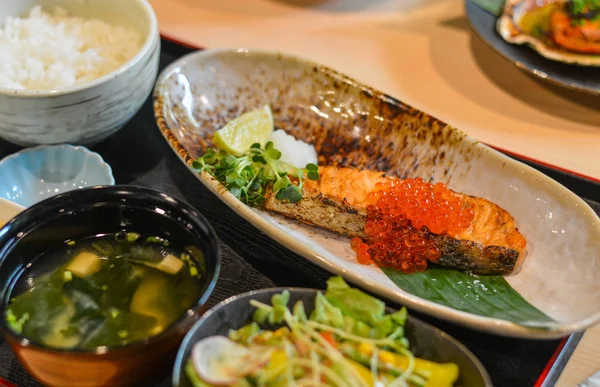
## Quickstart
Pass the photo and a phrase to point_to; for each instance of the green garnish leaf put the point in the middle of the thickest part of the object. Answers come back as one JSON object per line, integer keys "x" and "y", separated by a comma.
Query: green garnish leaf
{"x": 258, "y": 159}
{"x": 292, "y": 193}
{"x": 313, "y": 175}
{"x": 486, "y": 295}
{"x": 274, "y": 154}
{"x": 210, "y": 159}
{"x": 258, "y": 201}
{"x": 229, "y": 161}
{"x": 231, "y": 177}
{"x": 281, "y": 184}
{"x": 249, "y": 176}
{"x": 237, "y": 192}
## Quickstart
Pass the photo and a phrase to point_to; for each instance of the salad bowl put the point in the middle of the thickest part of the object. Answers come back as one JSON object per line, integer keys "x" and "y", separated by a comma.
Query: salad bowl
{"x": 235, "y": 312}
{"x": 551, "y": 293}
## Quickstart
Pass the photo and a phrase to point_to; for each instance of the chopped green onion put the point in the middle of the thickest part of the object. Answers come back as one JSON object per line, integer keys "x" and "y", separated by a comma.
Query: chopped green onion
{"x": 67, "y": 276}
{"x": 132, "y": 236}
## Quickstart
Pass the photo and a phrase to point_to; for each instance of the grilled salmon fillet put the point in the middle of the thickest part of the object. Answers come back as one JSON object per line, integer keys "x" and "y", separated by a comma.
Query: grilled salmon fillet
{"x": 337, "y": 201}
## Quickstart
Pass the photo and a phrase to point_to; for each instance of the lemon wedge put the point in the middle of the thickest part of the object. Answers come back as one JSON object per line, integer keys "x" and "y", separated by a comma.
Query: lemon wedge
{"x": 251, "y": 127}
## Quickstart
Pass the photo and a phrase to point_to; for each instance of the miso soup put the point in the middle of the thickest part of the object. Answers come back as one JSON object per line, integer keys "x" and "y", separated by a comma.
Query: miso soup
{"x": 107, "y": 290}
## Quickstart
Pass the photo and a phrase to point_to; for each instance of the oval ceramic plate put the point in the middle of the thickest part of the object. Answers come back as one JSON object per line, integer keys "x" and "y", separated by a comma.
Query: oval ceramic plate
{"x": 425, "y": 341}
{"x": 580, "y": 78}
{"x": 553, "y": 293}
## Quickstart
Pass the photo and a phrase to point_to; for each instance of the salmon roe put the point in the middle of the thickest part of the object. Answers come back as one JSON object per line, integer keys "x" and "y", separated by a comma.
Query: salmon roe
{"x": 402, "y": 219}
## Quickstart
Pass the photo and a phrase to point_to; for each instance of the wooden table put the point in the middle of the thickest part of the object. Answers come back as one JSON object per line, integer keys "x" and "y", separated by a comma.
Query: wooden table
{"x": 584, "y": 361}
{"x": 420, "y": 51}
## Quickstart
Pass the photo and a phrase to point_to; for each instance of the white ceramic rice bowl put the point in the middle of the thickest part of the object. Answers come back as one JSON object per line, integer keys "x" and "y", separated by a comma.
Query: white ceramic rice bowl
{"x": 88, "y": 113}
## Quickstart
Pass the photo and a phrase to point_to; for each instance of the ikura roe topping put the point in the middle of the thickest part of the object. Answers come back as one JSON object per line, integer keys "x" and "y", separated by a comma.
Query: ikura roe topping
{"x": 402, "y": 217}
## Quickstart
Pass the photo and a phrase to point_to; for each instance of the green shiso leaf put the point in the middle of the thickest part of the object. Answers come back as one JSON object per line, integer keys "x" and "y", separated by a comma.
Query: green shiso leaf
{"x": 488, "y": 296}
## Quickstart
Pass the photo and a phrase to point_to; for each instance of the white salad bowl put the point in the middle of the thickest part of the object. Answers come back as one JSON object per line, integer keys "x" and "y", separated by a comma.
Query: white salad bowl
{"x": 554, "y": 290}
{"x": 89, "y": 112}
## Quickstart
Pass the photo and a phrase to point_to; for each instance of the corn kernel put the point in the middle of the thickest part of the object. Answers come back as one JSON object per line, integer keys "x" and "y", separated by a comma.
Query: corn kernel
{"x": 365, "y": 349}
{"x": 387, "y": 357}
{"x": 283, "y": 331}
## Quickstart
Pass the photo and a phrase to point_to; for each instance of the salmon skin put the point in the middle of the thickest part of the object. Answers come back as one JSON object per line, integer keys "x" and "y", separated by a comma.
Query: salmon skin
{"x": 337, "y": 201}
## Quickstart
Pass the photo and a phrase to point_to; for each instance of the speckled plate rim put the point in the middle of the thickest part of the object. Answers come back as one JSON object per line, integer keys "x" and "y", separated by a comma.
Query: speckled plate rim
{"x": 537, "y": 72}
{"x": 475, "y": 322}
{"x": 179, "y": 360}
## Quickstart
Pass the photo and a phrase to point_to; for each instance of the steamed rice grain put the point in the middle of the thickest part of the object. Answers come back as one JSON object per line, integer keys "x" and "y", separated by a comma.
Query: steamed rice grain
{"x": 49, "y": 51}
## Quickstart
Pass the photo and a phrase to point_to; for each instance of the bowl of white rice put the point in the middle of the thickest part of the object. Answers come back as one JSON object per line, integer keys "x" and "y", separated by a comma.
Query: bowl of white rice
{"x": 74, "y": 71}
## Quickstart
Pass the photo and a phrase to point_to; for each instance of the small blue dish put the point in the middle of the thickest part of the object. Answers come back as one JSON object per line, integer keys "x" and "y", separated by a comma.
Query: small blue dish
{"x": 35, "y": 174}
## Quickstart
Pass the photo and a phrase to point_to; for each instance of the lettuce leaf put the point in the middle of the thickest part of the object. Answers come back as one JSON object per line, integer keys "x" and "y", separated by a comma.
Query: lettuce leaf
{"x": 245, "y": 334}
{"x": 327, "y": 313}
{"x": 279, "y": 303}
{"x": 367, "y": 311}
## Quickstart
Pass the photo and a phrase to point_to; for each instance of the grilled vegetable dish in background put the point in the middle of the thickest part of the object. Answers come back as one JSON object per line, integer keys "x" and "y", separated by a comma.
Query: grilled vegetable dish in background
{"x": 347, "y": 340}
{"x": 567, "y": 31}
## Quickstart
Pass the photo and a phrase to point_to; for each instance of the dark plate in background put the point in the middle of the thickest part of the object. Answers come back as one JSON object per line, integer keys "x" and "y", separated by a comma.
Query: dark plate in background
{"x": 425, "y": 341}
{"x": 580, "y": 78}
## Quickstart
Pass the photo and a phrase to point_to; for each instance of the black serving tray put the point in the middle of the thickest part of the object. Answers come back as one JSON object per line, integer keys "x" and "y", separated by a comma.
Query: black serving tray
{"x": 139, "y": 155}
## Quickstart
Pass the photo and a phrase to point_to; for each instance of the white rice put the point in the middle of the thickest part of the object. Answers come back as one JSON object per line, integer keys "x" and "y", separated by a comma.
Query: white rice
{"x": 50, "y": 51}
{"x": 294, "y": 152}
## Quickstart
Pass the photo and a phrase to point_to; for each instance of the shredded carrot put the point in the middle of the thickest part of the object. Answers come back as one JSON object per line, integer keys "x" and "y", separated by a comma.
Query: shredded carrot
{"x": 328, "y": 336}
